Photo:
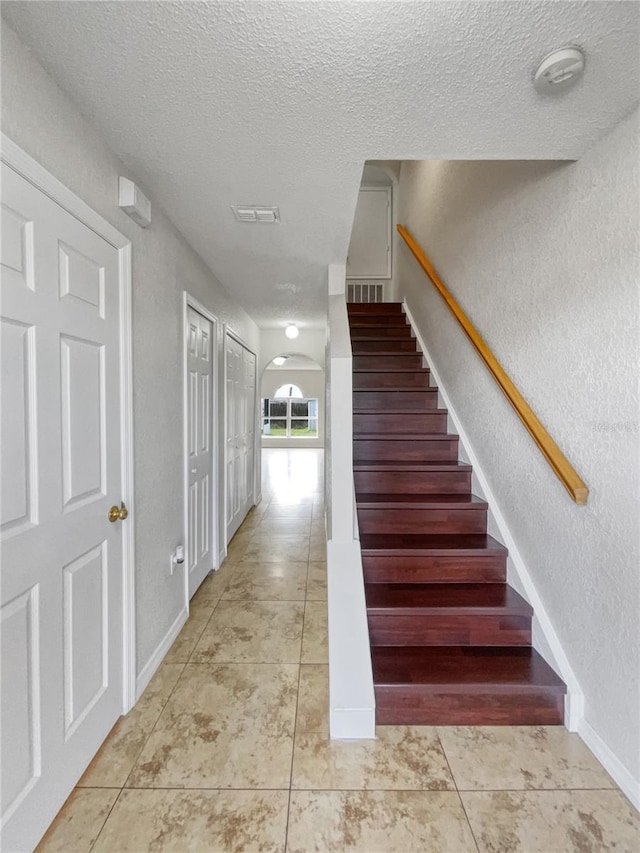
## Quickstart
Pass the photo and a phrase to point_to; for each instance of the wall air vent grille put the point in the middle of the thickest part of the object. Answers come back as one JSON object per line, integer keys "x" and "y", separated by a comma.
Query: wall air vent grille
{"x": 251, "y": 213}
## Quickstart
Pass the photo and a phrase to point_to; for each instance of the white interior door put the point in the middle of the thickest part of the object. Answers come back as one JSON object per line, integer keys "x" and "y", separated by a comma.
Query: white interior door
{"x": 240, "y": 432}
{"x": 370, "y": 247}
{"x": 247, "y": 440}
{"x": 62, "y": 588}
{"x": 201, "y": 539}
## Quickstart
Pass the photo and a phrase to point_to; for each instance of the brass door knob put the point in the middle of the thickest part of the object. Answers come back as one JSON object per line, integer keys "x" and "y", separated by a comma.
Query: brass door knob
{"x": 118, "y": 514}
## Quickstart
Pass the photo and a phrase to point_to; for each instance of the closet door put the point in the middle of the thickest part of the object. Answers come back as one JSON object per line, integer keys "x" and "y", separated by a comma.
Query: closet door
{"x": 240, "y": 431}
{"x": 201, "y": 533}
{"x": 370, "y": 247}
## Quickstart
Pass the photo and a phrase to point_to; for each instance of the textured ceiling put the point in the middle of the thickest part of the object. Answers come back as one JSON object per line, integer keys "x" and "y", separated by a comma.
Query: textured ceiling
{"x": 279, "y": 103}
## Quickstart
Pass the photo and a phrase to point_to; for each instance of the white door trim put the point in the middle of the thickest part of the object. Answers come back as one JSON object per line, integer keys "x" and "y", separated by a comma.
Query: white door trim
{"x": 189, "y": 301}
{"x": 32, "y": 171}
{"x": 228, "y": 331}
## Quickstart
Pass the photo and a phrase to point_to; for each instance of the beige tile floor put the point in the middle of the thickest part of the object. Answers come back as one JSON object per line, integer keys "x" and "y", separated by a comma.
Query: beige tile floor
{"x": 228, "y": 748}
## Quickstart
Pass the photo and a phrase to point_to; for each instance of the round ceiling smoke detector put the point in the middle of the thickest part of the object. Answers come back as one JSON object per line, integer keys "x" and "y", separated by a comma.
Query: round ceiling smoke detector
{"x": 559, "y": 70}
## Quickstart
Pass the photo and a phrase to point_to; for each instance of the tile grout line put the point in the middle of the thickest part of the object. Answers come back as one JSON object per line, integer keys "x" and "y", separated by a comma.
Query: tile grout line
{"x": 359, "y": 789}
{"x": 295, "y": 723}
{"x": 170, "y": 694}
{"x": 146, "y": 739}
{"x": 153, "y": 728}
{"x": 139, "y": 753}
{"x": 572, "y": 790}
{"x": 100, "y": 831}
{"x": 453, "y": 778}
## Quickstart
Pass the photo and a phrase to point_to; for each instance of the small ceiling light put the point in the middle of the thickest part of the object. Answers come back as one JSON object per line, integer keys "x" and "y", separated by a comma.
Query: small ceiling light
{"x": 292, "y": 331}
{"x": 279, "y": 360}
{"x": 559, "y": 70}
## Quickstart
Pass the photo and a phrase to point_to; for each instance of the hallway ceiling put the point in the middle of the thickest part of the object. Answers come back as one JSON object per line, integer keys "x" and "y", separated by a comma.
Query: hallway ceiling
{"x": 279, "y": 103}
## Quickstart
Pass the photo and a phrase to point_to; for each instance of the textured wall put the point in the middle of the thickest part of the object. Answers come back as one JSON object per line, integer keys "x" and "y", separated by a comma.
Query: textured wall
{"x": 311, "y": 383}
{"x": 544, "y": 259}
{"x": 40, "y": 118}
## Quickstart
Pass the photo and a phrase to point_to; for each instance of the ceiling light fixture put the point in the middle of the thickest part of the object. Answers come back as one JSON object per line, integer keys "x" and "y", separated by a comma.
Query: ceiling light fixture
{"x": 292, "y": 331}
{"x": 279, "y": 360}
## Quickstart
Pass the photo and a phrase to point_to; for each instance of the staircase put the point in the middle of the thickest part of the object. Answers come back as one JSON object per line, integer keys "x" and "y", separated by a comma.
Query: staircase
{"x": 450, "y": 640}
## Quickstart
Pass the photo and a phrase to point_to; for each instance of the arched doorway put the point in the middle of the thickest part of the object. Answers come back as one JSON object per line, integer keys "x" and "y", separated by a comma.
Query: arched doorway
{"x": 292, "y": 402}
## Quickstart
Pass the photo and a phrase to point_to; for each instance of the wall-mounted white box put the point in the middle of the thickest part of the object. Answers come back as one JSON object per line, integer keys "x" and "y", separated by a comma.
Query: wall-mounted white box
{"x": 134, "y": 202}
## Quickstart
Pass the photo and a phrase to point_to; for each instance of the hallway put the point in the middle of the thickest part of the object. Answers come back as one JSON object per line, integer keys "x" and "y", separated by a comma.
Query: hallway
{"x": 228, "y": 748}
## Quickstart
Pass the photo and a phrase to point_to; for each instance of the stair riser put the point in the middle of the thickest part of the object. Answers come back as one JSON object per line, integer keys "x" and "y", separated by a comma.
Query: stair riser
{"x": 413, "y": 482}
{"x": 364, "y": 347}
{"x": 377, "y": 320}
{"x": 399, "y": 706}
{"x": 486, "y": 569}
{"x": 400, "y": 423}
{"x": 402, "y": 361}
{"x": 376, "y": 400}
{"x": 371, "y": 331}
{"x": 405, "y": 450}
{"x": 368, "y": 308}
{"x": 417, "y": 379}
{"x": 388, "y": 520}
{"x": 446, "y": 630}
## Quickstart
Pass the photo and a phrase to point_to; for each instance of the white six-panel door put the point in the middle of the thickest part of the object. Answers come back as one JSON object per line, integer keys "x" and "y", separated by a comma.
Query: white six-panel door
{"x": 62, "y": 593}
{"x": 201, "y": 534}
{"x": 240, "y": 432}
{"x": 248, "y": 427}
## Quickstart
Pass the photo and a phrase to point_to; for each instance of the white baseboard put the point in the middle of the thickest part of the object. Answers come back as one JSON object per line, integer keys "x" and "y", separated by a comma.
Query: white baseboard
{"x": 158, "y": 656}
{"x": 352, "y": 723}
{"x": 614, "y": 767}
{"x": 574, "y": 703}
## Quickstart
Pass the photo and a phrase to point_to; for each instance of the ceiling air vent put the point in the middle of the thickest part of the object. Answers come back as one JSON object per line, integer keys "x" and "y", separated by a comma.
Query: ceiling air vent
{"x": 250, "y": 213}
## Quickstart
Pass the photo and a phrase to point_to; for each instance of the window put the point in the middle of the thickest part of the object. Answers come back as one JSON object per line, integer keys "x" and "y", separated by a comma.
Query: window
{"x": 291, "y": 417}
{"x": 288, "y": 391}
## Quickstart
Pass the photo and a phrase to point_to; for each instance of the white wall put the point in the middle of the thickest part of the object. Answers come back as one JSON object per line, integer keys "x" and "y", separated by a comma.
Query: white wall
{"x": 544, "y": 258}
{"x": 40, "y": 118}
{"x": 273, "y": 342}
{"x": 311, "y": 383}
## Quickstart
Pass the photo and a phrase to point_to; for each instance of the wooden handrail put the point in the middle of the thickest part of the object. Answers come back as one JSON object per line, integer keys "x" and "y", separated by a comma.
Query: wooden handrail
{"x": 549, "y": 449}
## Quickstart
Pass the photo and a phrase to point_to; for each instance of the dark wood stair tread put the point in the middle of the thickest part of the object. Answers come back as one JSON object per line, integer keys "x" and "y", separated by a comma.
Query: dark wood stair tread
{"x": 459, "y": 598}
{"x": 399, "y": 369}
{"x": 412, "y": 501}
{"x": 433, "y": 544}
{"x": 386, "y": 339}
{"x": 399, "y": 411}
{"x": 404, "y": 436}
{"x": 372, "y": 319}
{"x": 466, "y": 669}
{"x": 385, "y": 352}
{"x": 373, "y": 307}
{"x": 411, "y": 466}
